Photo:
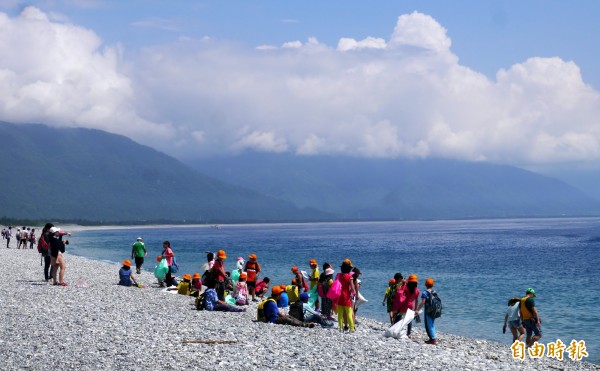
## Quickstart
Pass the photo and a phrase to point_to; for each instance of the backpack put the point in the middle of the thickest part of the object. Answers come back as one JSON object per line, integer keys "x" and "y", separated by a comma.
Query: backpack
{"x": 174, "y": 266}
{"x": 434, "y": 305}
{"x": 200, "y": 300}
{"x": 260, "y": 310}
{"x": 43, "y": 245}
{"x": 297, "y": 311}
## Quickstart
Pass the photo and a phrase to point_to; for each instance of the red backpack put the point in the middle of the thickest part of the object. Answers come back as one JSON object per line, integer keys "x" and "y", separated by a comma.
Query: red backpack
{"x": 42, "y": 245}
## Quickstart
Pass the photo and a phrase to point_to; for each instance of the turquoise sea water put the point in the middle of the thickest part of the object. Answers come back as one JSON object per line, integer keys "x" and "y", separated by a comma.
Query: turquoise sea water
{"x": 477, "y": 264}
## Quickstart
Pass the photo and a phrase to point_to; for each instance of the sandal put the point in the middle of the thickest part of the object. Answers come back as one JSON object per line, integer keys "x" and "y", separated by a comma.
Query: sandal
{"x": 63, "y": 284}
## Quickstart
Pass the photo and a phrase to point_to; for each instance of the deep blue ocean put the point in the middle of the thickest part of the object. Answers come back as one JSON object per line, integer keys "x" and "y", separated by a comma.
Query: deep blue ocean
{"x": 477, "y": 264}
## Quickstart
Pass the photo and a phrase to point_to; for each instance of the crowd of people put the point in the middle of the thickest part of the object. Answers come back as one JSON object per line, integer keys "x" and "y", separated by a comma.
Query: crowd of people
{"x": 318, "y": 297}
{"x": 24, "y": 237}
{"x": 309, "y": 299}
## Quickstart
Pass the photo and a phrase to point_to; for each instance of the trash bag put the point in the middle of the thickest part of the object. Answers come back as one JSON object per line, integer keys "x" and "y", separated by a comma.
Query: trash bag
{"x": 335, "y": 290}
{"x": 235, "y": 276}
{"x": 161, "y": 270}
{"x": 230, "y": 300}
{"x": 398, "y": 330}
{"x": 312, "y": 296}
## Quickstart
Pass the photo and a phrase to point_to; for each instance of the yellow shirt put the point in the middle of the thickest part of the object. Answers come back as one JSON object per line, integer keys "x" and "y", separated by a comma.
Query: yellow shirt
{"x": 314, "y": 276}
{"x": 183, "y": 288}
{"x": 292, "y": 292}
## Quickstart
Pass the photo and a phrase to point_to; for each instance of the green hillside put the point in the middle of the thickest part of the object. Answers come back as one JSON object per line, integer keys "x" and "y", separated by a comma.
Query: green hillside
{"x": 75, "y": 174}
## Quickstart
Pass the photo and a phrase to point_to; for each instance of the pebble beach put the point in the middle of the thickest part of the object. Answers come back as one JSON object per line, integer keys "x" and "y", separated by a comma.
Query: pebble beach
{"x": 95, "y": 324}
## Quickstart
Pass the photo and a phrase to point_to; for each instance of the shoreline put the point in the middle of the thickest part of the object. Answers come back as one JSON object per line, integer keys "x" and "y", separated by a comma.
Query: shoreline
{"x": 108, "y": 326}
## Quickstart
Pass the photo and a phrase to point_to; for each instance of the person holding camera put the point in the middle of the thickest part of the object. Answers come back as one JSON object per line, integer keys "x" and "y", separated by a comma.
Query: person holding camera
{"x": 57, "y": 248}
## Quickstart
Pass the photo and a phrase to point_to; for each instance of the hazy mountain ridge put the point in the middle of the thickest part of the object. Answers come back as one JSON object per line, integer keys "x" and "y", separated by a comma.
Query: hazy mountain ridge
{"x": 93, "y": 175}
{"x": 397, "y": 189}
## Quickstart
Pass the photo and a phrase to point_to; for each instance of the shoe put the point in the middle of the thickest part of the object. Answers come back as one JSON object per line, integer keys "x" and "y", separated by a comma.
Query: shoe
{"x": 63, "y": 284}
{"x": 138, "y": 271}
{"x": 254, "y": 300}
{"x": 431, "y": 342}
{"x": 346, "y": 328}
{"x": 309, "y": 325}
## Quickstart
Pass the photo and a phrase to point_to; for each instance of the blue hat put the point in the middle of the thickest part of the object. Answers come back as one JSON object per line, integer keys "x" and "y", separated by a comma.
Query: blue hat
{"x": 304, "y": 296}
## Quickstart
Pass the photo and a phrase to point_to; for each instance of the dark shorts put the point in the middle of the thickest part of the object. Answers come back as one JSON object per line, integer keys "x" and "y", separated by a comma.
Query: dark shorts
{"x": 139, "y": 261}
{"x": 532, "y": 327}
{"x": 251, "y": 284}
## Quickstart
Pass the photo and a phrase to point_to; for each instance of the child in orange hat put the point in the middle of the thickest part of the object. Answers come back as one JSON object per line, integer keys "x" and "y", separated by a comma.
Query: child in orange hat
{"x": 240, "y": 291}
{"x": 126, "y": 277}
{"x": 388, "y": 299}
{"x": 183, "y": 288}
{"x": 252, "y": 270}
{"x": 196, "y": 285}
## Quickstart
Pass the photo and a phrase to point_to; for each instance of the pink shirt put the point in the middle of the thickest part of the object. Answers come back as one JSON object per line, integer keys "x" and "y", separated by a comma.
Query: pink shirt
{"x": 407, "y": 300}
{"x": 168, "y": 251}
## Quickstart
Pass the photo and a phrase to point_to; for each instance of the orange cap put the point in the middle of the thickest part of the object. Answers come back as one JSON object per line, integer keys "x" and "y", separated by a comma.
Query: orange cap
{"x": 348, "y": 261}
{"x": 294, "y": 269}
{"x": 196, "y": 275}
{"x": 252, "y": 256}
{"x": 276, "y": 290}
{"x": 187, "y": 277}
{"x": 312, "y": 262}
{"x": 392, "y": 281}
{"x": 413, "y": 278}
{"x": 127, "y": 263}
{"x": 221, "y": 254}
{"x": 282, "y": 287}
{"x": 429, "y": 282}
{"x": 243, "y": 275}
{"x": 294, "y": 281}
{"x": 159, "y": 258}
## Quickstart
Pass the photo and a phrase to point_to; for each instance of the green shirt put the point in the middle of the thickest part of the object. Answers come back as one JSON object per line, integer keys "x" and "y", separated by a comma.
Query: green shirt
{"x": 138, "y": 249}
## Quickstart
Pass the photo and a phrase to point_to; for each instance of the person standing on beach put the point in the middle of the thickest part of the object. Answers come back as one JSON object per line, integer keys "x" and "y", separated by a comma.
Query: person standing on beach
{"x": 138, "y": 252}
{"x": 3, "y": 232}
{"x": 531, "y": 318}
{"x": 314, "y": 279}
{"x": 167, "y": 253}
{"x": 425, "y": 302}
{"x": 406, "y": 298}
{"x": 344, "y": 302}
{"x": 252, "y": 270}
{"x": 219, "y": 274}
{"x": 8, "y": 235}
{"x": 44, "y": 249}
{"x": 57, "y": 248}
{"x": 513, "y": 319}
{"x": 31, "y": 238}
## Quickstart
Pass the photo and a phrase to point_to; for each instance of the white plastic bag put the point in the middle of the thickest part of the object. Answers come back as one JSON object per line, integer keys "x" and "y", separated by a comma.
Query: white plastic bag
{"x": 398, "y": 330}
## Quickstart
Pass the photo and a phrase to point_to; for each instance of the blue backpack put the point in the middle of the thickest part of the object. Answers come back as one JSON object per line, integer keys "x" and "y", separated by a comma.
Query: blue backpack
{"x": 174, "y": 266}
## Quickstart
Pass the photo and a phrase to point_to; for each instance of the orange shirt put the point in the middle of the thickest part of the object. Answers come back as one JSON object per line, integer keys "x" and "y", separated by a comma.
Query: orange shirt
{"x": 252, "y": 269}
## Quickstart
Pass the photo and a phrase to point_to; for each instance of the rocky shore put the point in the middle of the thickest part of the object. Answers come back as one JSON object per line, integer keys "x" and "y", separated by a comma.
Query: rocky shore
{"x": 100, "y": 325}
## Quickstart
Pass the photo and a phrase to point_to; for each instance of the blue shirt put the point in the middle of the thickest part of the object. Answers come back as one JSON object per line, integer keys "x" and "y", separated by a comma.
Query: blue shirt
{"x": 210, "y": 299}
{"x": 271, "y": 311}
{"x": 125, "y": 277}
{"x": 284, "y": 300}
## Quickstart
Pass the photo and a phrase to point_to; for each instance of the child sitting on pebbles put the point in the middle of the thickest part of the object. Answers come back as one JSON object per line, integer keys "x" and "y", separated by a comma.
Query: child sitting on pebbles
{"x": 126, "y": 277}
{"x": 183, "y": 288}
{"x": 240, "y": 291}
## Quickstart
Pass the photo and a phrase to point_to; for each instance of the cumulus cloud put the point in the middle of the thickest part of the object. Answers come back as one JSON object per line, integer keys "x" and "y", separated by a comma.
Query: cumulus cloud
{"x": 57, "y": 73}
{"x": 402, "y": 95}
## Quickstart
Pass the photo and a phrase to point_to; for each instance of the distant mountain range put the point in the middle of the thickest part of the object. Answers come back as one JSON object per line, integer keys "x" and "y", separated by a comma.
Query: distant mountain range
{"x": 401, "y": 189}
{"x": 89, "y": 175}
{"x": 83, "y": 174}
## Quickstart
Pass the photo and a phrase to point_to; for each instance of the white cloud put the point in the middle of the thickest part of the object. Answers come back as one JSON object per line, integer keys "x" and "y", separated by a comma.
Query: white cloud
{"x": 407, "y": 96}
{"x": 56, "y": 73}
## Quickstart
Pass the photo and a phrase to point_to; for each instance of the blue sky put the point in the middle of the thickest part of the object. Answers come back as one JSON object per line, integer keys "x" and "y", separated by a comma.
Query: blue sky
{"x": 512, "y": 82}
{"x": 486, "y": 35}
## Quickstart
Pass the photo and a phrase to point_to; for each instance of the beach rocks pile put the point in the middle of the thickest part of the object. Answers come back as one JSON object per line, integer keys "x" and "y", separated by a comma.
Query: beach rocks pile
{"x": 95, "y": 324}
